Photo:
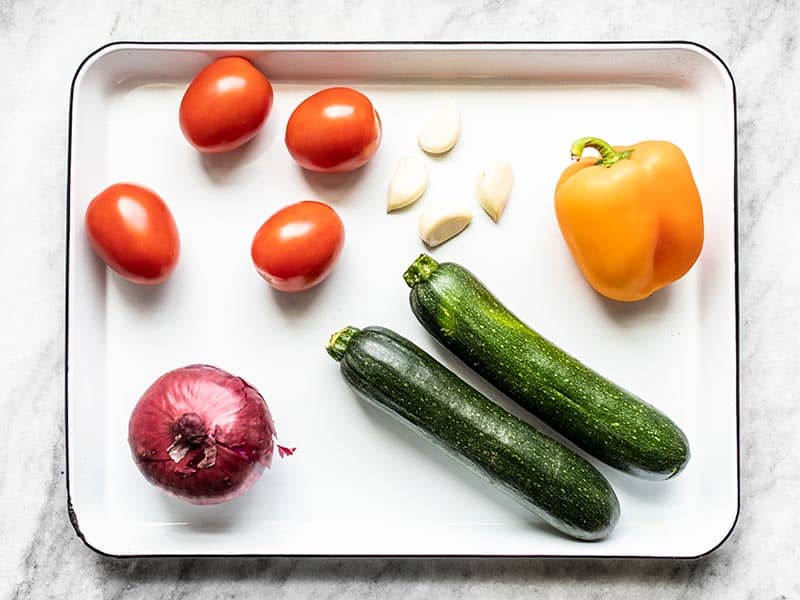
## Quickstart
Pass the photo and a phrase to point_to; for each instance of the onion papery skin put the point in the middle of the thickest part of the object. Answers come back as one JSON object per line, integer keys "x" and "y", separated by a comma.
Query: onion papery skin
{"x": 221, "y": 446}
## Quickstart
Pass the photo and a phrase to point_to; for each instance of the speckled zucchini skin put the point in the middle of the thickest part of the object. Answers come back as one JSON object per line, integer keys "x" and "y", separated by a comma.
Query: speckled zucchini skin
{"x": 548, "y": 478}
{"x": 607, "y": 421}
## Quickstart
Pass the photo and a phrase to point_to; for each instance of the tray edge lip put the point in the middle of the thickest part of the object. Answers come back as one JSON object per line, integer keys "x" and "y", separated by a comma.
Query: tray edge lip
{"x": 689, "y": 44}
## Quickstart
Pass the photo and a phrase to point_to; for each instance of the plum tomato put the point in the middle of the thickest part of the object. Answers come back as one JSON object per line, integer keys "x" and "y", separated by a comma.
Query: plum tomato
{"x": 133, "y": 231}
{"x": 297, "y": 247}
{"x": 225, "y": 105}
{"x": 334, "y": 130}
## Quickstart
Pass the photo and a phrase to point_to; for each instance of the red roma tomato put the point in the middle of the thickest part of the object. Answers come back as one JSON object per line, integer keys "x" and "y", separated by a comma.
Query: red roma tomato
{"x": 132, "y": 230}
{"x": 296, "y": 247}
{"x": 225, "y": 105}
{"x": 334, "y": 130}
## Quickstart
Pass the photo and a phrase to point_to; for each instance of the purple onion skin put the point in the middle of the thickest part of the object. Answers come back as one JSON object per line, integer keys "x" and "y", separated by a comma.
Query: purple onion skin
{"x": 201, "y": 434}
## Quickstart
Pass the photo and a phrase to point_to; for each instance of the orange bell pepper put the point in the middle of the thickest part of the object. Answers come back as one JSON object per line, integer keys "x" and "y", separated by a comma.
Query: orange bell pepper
{"x": 632, "y": 219}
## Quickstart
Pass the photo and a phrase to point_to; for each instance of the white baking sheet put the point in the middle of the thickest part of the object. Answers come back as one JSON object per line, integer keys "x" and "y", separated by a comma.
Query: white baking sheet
{"x": 361, "y": 484}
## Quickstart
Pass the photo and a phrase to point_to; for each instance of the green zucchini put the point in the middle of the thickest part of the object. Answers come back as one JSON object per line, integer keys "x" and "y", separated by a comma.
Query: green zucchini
{"x": 545, "y": 476}
{"x": 599, "y": 416}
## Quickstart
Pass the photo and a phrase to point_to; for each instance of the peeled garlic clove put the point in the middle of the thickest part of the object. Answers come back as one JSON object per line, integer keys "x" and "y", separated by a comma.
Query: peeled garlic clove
{"x": 409, "y": 182}
{"x": 494, "y": 188}
{"x": 437, "y": 225}
{"x": 440, "y": 132}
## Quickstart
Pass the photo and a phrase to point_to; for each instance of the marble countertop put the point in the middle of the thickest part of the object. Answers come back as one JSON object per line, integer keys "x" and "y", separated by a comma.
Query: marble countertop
{"x": 41, "y": 44}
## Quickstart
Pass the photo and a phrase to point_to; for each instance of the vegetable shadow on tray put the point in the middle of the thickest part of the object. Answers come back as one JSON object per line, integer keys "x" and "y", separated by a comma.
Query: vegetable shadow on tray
{"x": 223, "y": 166}
{"x": 624, "y": 313}
{"x": 335, "y": 188}
{"x": 296, "y": 305}
{"x": 216, "y": 519}
{"x": 144, "y": 298}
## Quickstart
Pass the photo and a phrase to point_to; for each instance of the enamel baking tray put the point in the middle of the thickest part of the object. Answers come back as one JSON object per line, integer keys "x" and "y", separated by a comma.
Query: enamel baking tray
{"x": 360, "y": 483}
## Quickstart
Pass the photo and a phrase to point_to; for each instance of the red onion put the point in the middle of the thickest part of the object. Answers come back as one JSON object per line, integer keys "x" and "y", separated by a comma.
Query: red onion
{"x": 202, "y": 434}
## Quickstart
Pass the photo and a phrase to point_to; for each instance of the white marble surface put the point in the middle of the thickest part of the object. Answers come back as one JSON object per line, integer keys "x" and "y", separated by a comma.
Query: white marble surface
{"x": 42, "y": 42}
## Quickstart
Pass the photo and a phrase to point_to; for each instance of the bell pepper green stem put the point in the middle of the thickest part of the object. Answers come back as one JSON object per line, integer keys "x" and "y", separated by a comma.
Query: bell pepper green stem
{"x": 608, "y": 156}
{"x": 340, "y": 341}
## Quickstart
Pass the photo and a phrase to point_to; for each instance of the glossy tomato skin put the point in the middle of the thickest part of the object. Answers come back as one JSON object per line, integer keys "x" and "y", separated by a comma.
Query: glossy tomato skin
{"x": 334, "y": 130}
{"x": 296, "y": 248}
{"x": 133, "y": 231}
{"x": 225, "y": 105}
